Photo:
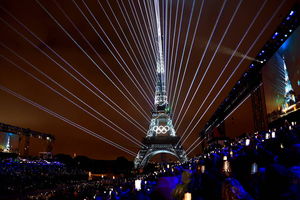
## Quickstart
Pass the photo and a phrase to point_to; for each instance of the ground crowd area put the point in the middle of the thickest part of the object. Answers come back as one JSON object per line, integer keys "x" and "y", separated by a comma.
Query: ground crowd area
{"x": 263, "y": 165}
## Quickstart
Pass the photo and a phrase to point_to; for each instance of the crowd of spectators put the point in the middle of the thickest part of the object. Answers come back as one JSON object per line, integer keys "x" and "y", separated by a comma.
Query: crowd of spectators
{"x": 263, "y": 165}
{"x": 20, "y": 177}
{"x": 120, "y": 188}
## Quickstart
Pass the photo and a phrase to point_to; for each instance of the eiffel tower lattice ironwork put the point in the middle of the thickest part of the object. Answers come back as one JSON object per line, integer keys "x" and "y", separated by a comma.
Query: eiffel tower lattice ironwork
{"x": 161, "y": 136}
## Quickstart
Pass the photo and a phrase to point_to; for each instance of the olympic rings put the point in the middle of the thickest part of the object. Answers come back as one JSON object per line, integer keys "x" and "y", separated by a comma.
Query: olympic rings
{"x": 161, "y": 129}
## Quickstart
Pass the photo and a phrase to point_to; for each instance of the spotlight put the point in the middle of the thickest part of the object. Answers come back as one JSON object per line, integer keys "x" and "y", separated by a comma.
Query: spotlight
{"x": 202, "y": 169}
{"x": 274, "y": 36}
{"x": 273, "y": 134}
{"x": 187, "y": 196}
{"x": 247, "y": 142}
{"x": 253, "y": 168}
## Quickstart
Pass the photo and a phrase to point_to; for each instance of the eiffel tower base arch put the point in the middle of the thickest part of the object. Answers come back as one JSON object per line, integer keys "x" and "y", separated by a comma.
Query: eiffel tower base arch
{"x": 152, "y": 148}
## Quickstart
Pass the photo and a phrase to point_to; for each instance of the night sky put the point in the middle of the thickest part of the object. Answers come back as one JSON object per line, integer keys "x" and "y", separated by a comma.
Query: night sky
{"x": 105, "y": 52}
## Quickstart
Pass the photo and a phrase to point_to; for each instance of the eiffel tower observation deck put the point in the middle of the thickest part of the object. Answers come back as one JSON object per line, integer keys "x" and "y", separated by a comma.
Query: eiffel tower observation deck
{"x": 161, "y": 136}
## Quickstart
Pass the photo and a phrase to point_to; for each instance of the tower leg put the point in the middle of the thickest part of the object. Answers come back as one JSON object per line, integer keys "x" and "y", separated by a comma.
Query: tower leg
{"x": 149, "y": 151}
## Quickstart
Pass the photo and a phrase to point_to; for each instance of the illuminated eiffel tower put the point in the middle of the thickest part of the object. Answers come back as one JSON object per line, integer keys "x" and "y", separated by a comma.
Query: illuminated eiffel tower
{"x": 161, "y": 136}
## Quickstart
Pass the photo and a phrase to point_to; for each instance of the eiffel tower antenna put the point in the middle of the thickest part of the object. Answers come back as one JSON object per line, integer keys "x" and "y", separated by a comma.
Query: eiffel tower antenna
{"x": 160, "y": 92}
{"x": 161, "y": 136}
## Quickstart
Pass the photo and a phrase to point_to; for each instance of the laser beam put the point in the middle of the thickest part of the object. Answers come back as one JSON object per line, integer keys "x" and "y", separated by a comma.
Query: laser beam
{"x": 176, "y": 52}
{"x": 127, "y": 135}
{"x": 139, "y": 26}
{"x": 140, "y": 88}
{"x": 54, "y": 114}
{"x": 135, "y": 104}
{"x": 249, "y": 49}
{"x": 168, "y": 45}
{"x": 224, "y": 68}
{"x": 74, "y": 77}
{"x": 173, "y": 40}
{"x": 204, "y": 54}
{"x": 181, "y": 60}
{"x": 211, "y": 60}
{"x": 134, "y": 38}
{"x": 143, "y": 75}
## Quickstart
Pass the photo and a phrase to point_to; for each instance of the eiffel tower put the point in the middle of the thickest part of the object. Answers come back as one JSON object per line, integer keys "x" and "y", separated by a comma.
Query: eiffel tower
{"x": 161, "y": 136}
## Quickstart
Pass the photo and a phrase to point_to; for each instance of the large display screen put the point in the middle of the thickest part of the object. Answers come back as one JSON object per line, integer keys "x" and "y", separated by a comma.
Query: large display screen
{"x": 281, "y": 78}
{"x": 9, "y": 142}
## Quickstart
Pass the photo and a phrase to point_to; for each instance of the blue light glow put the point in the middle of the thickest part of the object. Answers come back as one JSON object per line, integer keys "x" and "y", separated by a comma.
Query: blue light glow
{"x": 285, "y": 45}
{"x": 274, "y": 36}
{"x": 292, "y": 13}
